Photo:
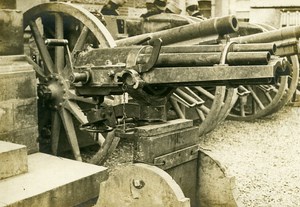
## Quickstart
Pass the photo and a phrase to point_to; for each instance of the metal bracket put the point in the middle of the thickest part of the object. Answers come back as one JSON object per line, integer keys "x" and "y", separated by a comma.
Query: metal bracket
{"x": 176, "y": 158}
{"x": 156, "y": 44}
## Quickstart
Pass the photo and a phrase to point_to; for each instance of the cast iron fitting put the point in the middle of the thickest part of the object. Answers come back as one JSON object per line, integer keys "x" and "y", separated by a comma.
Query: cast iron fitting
{"x": 44, "y": 92}
{"x": 130, "y": 78}
{"x": 82, "y": 77}
{"x": 286, "y": 68}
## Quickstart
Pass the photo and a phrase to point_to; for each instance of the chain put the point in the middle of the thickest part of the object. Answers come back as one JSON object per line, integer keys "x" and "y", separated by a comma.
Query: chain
{"x": 124, "y": 88}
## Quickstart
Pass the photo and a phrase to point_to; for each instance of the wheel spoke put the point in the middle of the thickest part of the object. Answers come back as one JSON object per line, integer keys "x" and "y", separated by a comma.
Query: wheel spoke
{"x": 266, "y": 90}
{"x": 55, "y": 131}
{"x": 75, "y": 110}
{"x": 205, "y": 92}
{"x": 59, "y": 50}
{"x": 201, "y": 114}
{"x": 204, "y": 109}
{"x": 80, "y": 41}
{"x": 39, "y": 71}
{"x": 256, "y": 99}
{"x": 242, "y": 108}
{"x": 42, "y": 47}
{"x": 177, "y": 108}
{"x": 70, "y": 132}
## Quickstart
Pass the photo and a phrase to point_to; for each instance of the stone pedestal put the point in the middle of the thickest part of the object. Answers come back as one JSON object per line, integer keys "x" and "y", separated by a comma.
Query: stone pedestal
{"x": 13, "y": 159}
{"x": 18, "y": 102}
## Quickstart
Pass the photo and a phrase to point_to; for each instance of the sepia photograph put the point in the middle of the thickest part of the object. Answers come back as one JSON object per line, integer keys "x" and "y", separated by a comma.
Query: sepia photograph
{"x": 149, "y": 103}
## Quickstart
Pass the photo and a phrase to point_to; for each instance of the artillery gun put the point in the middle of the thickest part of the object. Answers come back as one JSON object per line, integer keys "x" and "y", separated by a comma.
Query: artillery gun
{"x": 250, "y": 102}
{"x": 81, "y": 65}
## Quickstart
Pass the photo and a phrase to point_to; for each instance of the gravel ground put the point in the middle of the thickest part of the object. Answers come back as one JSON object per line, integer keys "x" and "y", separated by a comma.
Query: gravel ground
{"x": 264, "y": 157}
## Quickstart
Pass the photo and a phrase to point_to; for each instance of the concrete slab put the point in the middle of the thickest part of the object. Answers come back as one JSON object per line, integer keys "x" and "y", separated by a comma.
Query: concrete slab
{"x": 52, "y": 181}
{"x": 13, "y": 159}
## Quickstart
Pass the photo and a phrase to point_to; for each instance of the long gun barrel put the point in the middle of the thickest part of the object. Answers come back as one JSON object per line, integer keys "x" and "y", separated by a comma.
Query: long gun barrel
{"x": 271, "y": 36}
{"x": 214, "y": 26}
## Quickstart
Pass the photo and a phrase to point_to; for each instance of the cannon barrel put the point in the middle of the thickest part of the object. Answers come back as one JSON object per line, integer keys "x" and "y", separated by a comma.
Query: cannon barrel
{"x": 208, "y": 59}
{"x": 214, "y": 26}
{"x": 270, "y": 47}
{"x": 195, "y": 55}
{"x": 271, "y": 36}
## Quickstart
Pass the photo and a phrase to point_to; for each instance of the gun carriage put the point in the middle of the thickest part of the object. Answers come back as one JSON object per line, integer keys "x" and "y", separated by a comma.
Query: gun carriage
{"x": 82, "y": 70}
{"x": 253, "y": 101}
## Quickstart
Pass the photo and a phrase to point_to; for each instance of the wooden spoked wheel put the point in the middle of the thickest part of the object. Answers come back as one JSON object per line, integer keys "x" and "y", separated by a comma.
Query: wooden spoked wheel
{"x": 60, "y": 112}
{"x": 207, "y": 106}
{"x": 261, "y": 100}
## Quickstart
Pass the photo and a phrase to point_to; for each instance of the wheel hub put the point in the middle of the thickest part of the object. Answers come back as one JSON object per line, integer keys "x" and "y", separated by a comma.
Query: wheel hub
{"x": 54, "y": 91}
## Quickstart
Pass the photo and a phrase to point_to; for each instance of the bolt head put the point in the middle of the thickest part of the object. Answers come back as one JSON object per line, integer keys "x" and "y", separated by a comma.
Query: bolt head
{"x": 137, "y": 183}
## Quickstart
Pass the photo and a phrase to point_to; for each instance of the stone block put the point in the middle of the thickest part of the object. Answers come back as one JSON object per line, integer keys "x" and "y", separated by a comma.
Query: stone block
{"x": 17, "y": 78}
{"x": 18, "y": 114}
{"x": 8, "y": 4}
{"x": 25, "y": 113}
{"x": 27, "y": 137}
{"x": 18, "y": 102}
{"x": 52, "y": 182}
{"x": 13, "y": 159}
{"x": 11, "y": 32}
{"x": 6, "y": 116}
